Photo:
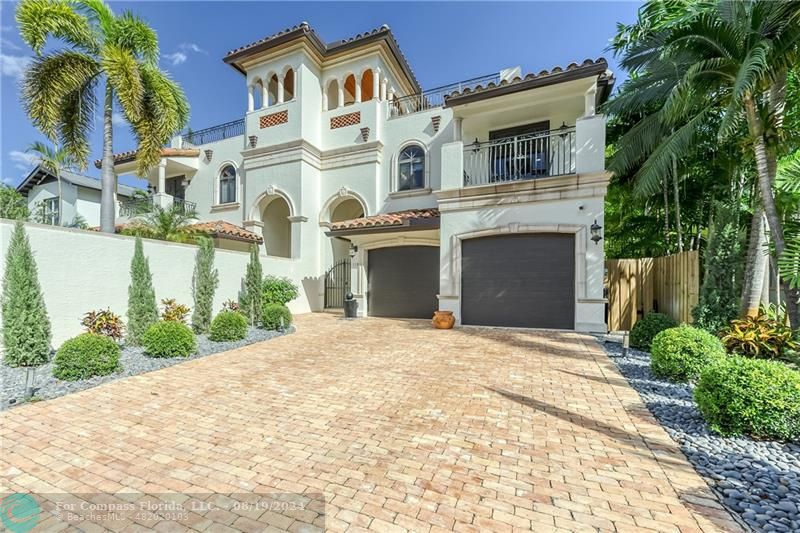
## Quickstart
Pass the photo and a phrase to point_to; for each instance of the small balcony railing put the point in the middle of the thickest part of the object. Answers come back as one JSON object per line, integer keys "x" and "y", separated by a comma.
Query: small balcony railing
{"x": 530, "y": 156}
{"x": 214, "y": 133}
{"x": 137, "y": 206}
{"x": 431, "y": 98}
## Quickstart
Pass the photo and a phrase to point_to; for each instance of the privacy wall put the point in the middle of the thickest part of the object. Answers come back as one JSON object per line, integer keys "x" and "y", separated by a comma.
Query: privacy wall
{"x": 84, "y": 270}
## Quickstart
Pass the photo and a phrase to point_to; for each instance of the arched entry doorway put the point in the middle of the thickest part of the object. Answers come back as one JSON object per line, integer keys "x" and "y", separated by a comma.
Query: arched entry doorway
{"x": 337, "y": 275}
{"x": 277, "y": 231}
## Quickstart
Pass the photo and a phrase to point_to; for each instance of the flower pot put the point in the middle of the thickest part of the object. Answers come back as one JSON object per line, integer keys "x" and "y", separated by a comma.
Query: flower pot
{"x": 443, "y": 319}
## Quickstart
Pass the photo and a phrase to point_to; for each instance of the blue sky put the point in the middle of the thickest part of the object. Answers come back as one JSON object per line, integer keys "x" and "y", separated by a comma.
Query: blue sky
{"x": 444, "y": 42}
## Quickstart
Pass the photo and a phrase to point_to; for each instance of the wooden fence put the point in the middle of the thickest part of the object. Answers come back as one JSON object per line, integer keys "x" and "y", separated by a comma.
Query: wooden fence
{"x": 669, "y": 284}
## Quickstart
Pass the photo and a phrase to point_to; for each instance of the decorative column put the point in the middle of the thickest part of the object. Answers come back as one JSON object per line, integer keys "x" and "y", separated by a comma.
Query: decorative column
{"x": 162, "y": 176}
{"x": 324, "y": 98}
{"x": 250, "y": 98}
{"x": 383, "y": 89}
{"x": 590, "y": 102}
{"x": 280, "y": 90}
{"x": 358, "y": 92}
{"x": 376, "y": 88}
{"x": 391, "y": 94}
{"x": 340, "y": 101}
{"x": 264, "y": 95}
{"x": 457, "y": 134}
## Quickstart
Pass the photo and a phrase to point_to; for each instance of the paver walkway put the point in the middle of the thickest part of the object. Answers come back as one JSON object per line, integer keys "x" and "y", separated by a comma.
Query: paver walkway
{"x": 396, "y": 425}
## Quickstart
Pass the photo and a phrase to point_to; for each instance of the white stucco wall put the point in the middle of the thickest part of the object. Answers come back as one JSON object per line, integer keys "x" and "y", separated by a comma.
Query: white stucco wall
{"x": 80, "y": 271}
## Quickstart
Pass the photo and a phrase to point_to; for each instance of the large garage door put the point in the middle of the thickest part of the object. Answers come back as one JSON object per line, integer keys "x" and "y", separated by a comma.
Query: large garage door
{"x": 403, "y": 281}
{"x": 525, "y": 280}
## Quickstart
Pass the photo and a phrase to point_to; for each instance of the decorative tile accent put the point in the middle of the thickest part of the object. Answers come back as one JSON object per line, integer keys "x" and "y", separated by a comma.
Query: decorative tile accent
{"x": 350, "y": 119}
{"x": 436, "y": 120}
{"x": 364, "y": 134}
{"x": 267, "y": 121}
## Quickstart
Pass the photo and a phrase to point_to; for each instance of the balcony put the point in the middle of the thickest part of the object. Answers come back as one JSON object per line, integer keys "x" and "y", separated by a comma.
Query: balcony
{"x": 141, "y": 205}
{"x": 431, "y": 98}
{"x": 531, "y": 156}
{"x": 214, "y": 133}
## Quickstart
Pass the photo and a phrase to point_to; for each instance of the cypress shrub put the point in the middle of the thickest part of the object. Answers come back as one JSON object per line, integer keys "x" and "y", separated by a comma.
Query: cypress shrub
{"x": 142, "y": 308}
{"x": 26, "y": 327}
{"x": 251, "y": 297}
{"x": 205, "y": 281}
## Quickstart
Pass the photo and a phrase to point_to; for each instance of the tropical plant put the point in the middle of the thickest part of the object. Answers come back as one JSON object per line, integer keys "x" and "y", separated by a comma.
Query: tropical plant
{"x": 78, "y": 222}
{"x": 275, "y": 316}
{"x": 85, "y": 356}
{"x": 104, "y": 322}
{"x": 171, "y": 224}
{"x": 26, "y": 327}
{"x": 279, "y": 290}
{"x": 173, "y": 311}
{"x": 55, "y": 159}
{"x": 169, "y": 339}
{"x": 680, "y": 354}
{"x": 719, "y": 296}
{"x": 205, "y": 281}
{"x": 116, "y": 52}
{"x": 251, "y": 296}
{"x": 228, "y": 326}
{"x": 645, "y": 330}
{"x": 749, "y": 396}
{"x": 759, "y": 336}
{"x": 231, "y": 305}
{"x": 13, "y": 205}
{"x": 142, "y": 309}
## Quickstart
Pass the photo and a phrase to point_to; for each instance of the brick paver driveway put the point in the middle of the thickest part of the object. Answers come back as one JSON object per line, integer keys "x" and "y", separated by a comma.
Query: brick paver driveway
{"x": 400, "y": 426}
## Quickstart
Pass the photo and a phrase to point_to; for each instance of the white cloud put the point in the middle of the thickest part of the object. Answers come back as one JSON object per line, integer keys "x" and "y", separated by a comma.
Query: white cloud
{"x": 118, "y": 119}
{"x": 13, "y": 66}
{"x": 176, "y": 59}
{"x": 191, "y": 47}
{"x": 23, "y": 160}
{"x": 8, "y": 45}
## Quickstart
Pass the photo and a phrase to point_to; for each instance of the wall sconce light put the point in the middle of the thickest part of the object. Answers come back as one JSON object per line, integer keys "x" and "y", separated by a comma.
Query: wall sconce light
{"x": 353, "y": 250}
{"x": 253, "y": 141}
{"x": 595, "y": 229}
{"x": 209, "y": 154}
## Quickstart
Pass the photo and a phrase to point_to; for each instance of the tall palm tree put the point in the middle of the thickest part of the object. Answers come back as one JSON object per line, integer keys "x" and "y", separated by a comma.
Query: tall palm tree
{"x": 117, "y": 52}
{"x": 725, "y": 62}
{"x": 55, "y": 159}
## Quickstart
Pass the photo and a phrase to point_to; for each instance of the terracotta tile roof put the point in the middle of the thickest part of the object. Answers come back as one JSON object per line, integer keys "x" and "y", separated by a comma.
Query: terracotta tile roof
{"x": 304, "y": 29}
{"x": 399, "y": 218}
{"x": 557, "y": 74}
{"x": 125, "y": 157}
{"x": 213, "y": 228}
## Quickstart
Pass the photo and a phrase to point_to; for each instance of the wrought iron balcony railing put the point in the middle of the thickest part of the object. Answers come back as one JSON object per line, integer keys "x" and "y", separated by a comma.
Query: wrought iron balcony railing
{"x": 431, "y": 98}
{"x": 530, "y": 156}
{"x": 214, "y": 133}
{"x": 137, "y": 206}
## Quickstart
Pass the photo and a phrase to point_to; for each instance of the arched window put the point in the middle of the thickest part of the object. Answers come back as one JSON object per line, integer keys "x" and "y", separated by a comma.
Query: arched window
{"x": 333, "y": 94}
{"x": 349, "y": 90}
{"x": 367, "y": 81}
{"x": 411, "y": 168}
{"x": 227, "y": 185}
{"x": 288, "y": 85}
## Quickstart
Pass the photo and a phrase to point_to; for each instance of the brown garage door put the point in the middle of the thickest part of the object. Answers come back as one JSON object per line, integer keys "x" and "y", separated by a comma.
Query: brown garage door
{"x": 403, "y": 281}
{"x": 525, "y": 280}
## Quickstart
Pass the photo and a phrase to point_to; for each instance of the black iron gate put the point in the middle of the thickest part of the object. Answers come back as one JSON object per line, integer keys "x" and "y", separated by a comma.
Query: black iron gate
{"x": 337, "y": 283}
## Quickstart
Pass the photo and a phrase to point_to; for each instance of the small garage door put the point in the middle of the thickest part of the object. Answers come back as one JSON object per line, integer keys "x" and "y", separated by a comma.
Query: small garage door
{"x": 403, "y": 281}
{"x": 525, "y": 280}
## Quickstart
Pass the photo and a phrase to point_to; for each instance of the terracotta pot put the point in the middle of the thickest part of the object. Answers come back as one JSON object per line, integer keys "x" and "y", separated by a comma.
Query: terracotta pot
{"x": 443, "y": 319}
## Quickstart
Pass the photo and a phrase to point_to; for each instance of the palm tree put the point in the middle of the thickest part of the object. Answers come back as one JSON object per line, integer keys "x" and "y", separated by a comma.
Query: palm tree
{"x": 118, "y": 51}
{"x": 165, "y": 224}
{"x": 55, "y": 159}
{"x": 724, "y": 62}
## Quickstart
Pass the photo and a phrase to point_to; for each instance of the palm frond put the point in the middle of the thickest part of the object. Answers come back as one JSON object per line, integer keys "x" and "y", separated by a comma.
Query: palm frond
{"x": 49, "y": 81}
{"x": 122, "y": 71}
{"x": 99, "y": 13}
{"x": 77, "y": 121}
{"x": 39, "y": 20}
{"x": 752, "y": 72}
{"x": 133, "y": 34}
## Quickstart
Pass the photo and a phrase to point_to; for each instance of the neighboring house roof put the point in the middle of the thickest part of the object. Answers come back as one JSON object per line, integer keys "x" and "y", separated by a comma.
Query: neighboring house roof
{"x": 574, "y": 71}
{"x": 303, "y": 30}
{"x": 130, "y": 155}
{"x": 41, "y": 174}
{"x": 212, "y": 228}
{"x": 410, "y": 219}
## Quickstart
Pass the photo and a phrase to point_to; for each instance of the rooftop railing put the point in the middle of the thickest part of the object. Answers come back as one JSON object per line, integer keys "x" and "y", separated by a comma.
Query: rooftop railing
{"x": 530, "y": 156}
{"x": 431, "y": 98}
{"x": 214, "y": 133}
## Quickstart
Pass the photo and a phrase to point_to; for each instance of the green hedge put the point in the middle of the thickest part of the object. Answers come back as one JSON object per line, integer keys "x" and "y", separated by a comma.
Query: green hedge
{"x": 645, "y": 330}
{"x": 86, "y": 356}
{"x": 750, "y": 396}
{"x": 228, "y": 326}
{"x": 271, "y": 316}
{"x": 680, "y": 354}
{"x": 167, "y": 338}
{"x": 279, "y": 290}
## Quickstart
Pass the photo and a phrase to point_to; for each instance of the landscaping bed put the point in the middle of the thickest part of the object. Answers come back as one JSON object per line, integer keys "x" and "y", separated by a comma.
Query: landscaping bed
{"x": 133, "y": 361}
{"x": 759, "y": 481}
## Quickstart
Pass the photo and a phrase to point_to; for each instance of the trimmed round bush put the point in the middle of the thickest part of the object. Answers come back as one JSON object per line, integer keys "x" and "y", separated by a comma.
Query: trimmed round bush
{"x": 680, "y": 354}
{"x": 168, "y": 338}
{"x": 271, "y": 316}
{"x": 86, "y": 356}
{"x": 648, "y": 327}
{"x": 760, "y": 398}
{"x": 228, "y": 326}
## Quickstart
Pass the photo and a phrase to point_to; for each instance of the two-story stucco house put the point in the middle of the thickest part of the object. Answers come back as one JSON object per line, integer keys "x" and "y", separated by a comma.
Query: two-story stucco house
{"x": 481, "y": 197}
